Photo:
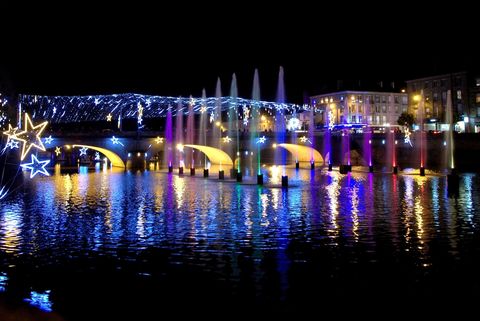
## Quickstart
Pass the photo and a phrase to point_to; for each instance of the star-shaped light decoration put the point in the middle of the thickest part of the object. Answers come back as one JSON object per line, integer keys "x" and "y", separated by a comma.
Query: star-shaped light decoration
{"x": 12, "y": 144}
{"x": 304, "y": 139}
{"x": 97, "y": 101}
{"x": 203, "y": 109}
{"x": 30, "y": 137}
{"x": 54, "y": 110}
{"x": 97, "y": 156}
{"x": 109, "y": 117}
{"x": 48, "y": 140}
{"x": 226, "y": 139}
{"x": 36, "y": 166}
{"x": 11, "y": 132}
{"x": 83, "y": 151}
{"x": 261, "y": 140}
{"x": 407, "y": 137}
{"x": 57, "y": 151}
{"x": 115, "y": 141}
{"x": 159, "y": 140}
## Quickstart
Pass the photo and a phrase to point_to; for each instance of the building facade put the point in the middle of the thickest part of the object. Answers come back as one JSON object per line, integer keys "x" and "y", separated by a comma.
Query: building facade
{"x": 432, "y": 92}
{"x": 359, "y": 107}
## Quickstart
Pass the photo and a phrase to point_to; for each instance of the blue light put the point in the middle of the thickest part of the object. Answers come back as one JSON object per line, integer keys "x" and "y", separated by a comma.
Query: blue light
{"x": 36, "y": 166}
{"x": 126, "y": 106}
{"x": 3, "y": 282}
{"x": 40, "y": 300}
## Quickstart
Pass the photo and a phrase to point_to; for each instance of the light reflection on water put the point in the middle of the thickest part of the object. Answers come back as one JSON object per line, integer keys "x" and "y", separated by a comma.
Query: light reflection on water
{"x": 220, "y": 225}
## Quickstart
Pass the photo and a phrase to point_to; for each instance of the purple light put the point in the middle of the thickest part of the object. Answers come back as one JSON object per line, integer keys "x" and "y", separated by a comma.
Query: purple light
{"x": 168, "y": 137}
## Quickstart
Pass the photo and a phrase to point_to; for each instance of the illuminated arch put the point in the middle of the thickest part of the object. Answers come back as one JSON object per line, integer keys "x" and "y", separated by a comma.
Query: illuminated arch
{"x": 304, "y": 153}
{"x": 215, "y": 155}
{"x": 112, "y": 157}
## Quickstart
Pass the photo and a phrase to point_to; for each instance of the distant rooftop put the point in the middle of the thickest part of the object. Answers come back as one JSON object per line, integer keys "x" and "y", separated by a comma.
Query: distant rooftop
{"x": 361, "y": 85}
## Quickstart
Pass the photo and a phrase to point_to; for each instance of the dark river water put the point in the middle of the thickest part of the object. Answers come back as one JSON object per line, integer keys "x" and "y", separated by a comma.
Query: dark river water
{"x": 110, "y": 244}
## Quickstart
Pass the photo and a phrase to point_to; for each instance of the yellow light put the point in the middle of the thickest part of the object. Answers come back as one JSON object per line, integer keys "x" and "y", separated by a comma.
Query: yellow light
{"x": 332, "y": 106}
{"x": 68, "y": 146}
{"x": 180, "y": 147}
{"x": 263, "y": 118}
{"x": 416, "y": 98}
{"x": 217, "y": 123}
{"x": 274, "y": 145}
{"x": 30, "y": 137}
{"x": 403, "y": 90}
{"x": 138, "y": 154}
{"x": 275, "y": 170}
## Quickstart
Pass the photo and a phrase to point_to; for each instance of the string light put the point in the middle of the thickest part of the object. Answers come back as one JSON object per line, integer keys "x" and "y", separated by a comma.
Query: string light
{"x": 331, "y": 122}
{"x": 72, "y": 109}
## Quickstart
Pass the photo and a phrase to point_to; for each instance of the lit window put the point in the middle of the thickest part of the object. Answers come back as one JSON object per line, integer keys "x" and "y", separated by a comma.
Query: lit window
{"x": 459, "y": 94}
{"x": 477, "y": 98}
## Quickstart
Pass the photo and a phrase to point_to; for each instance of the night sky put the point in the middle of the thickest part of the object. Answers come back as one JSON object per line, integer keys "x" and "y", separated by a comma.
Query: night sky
{"x": 180, "y": 49}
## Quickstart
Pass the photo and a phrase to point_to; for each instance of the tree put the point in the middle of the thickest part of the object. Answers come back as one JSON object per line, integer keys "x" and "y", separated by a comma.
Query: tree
{"x": 406, "y": 119}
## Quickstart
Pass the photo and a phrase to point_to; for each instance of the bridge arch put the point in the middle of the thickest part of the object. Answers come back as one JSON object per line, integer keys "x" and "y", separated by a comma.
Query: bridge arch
{"x": 112, "y": 157}
{"x": 304, "y": 153}
{"x": 215, "y": 155}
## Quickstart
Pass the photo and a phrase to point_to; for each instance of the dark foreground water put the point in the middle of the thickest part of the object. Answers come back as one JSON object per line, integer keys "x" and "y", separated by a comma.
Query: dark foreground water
{"x": 105, "y": 245}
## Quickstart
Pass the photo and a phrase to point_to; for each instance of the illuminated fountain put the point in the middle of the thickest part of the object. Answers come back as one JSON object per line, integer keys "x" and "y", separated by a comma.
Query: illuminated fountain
{"x": 311, "y": 137}
{"x": 280, "y": 153}
{"x": 179, "y": 136}
{"x": 327, "y": 140}
{"x": 168, "y": 152}
{"x": 452, "y": 176}
{"x": 255, "y": 140}
{"x": 202, "y": 137}
{"x": 233, "y": 128}
{"x": 367, "y": 140}
{"x": 345, "y": 166}
{"x": 216, "y": 117}
{"x": 217, "y": 124}
{"x": 390, "y": 138}
{"x": 422, "y": 139}
{"x": 191, "y": 135}
{"x": 293, "y": 135}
